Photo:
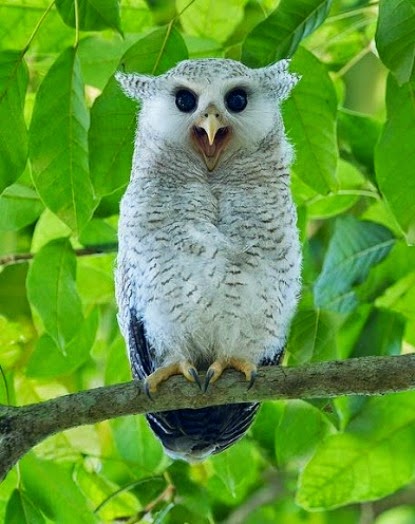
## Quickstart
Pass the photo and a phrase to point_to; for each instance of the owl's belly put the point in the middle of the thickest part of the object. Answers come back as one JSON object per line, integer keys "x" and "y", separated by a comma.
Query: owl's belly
{"x": 211, "y": 304}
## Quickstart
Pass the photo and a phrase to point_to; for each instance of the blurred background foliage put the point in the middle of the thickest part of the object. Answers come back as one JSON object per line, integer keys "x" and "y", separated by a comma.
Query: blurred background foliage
{"x": 66, "y": 138}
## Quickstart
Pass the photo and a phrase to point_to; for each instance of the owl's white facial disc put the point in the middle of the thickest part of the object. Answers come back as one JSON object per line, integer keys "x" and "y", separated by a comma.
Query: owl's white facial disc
{"x": 212, "y": 109}
{"x": 213, "y": 119}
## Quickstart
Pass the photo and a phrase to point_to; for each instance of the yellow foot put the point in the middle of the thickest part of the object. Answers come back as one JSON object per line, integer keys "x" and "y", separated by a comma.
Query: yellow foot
{"x": 216, "y": 369}
{"x": 183, "y": 367}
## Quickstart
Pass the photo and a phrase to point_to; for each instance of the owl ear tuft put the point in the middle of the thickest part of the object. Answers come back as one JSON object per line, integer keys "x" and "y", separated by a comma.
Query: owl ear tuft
{"x": 134, "y": 85}
{"x": 280, "y": 79}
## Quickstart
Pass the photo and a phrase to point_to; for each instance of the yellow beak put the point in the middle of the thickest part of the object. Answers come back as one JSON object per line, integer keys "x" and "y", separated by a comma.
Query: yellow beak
{"x": 211, "y": 136}
{"x": 211, "y": 125}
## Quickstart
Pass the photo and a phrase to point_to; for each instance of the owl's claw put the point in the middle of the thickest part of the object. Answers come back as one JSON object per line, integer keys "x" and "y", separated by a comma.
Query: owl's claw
{"x": 147, "y": 390}
{"x": 208, "y": 377}
{"x": 162, "y": 374}
{"x": 216, "y": 369}
{"x": 195, "y": 376}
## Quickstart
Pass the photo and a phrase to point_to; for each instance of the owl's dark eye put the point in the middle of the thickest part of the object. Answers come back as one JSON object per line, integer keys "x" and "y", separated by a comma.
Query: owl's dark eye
{"x": 186, "y": 101}
{"x": 236, "y": 100}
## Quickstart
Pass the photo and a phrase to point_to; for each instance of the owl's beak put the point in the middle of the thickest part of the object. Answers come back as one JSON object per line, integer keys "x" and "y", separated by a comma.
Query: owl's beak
{"x": 211, "y": 137}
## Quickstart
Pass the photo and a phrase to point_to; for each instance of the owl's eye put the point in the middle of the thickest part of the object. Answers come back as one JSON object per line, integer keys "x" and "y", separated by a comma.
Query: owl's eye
{"x": 186, "y": 101}
{"x": 236, "y": 100}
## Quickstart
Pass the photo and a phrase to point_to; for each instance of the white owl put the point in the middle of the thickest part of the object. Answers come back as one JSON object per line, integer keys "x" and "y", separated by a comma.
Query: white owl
{"x": 208, "y": 272}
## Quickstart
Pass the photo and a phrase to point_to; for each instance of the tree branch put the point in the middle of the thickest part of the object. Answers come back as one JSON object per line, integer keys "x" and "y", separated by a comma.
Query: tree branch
{"x": 18, "y": 258}
{"x": 21, "y": 428}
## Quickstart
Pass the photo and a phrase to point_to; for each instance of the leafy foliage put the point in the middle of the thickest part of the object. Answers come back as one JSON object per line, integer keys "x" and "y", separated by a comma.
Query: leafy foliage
{"x": 66, "y": 135}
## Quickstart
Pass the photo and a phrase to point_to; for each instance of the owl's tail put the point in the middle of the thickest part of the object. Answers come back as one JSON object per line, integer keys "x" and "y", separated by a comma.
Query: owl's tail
{"x": 194, "y": 434}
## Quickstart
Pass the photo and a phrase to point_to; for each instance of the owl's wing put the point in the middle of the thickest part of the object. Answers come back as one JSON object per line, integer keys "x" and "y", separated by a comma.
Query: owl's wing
{"x": 140, "y": 351}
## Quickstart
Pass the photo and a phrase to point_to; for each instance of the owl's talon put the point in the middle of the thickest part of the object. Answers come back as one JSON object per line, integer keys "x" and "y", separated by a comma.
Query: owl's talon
{"x": 193, "y": 373}
{"x": 216, "y": 369}
{"x": 252, "y": 379}
{"x": 147, "y": 390}
{"x": 208, "y": 378}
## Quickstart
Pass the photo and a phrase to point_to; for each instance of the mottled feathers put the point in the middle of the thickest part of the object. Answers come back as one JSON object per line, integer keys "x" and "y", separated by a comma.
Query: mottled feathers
{"x": 209, "y": 257}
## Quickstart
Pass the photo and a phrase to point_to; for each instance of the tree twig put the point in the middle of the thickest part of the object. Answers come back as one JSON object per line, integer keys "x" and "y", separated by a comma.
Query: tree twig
{"x": 21, "y": 428}
{"x": 17, "y": 258}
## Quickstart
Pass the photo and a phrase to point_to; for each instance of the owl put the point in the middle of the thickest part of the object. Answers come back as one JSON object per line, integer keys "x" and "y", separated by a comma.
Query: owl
{"x": 208, "y": 269}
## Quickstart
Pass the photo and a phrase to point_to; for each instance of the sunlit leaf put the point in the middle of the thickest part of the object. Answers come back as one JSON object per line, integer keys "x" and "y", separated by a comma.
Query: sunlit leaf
{"x": 395, "y": 156}
{"x": 310, "y": 120}
{"x": 395, "y": 37}
{"x": 104, "y": 494}
{"x": 13, "y": 132}
{"x": 19, "y": 206}
{"x": 279, "y": 35}
{"x": 236, "y": 471}
{"x": 48, "y": 361}
{"x": 312, "y": 337}
{"x": 137, "y": 446}
{"x": 301, "y": 429}
{"x": 354, "y": 248}
{"x": 62, "y": 501}
{"x": 52, "y": 291}
{"x": 93, "y": 15}
{"x": 114, "y": 116}
{"x": 357, "y": 466}
{"x": 59, "y": 145}
{"x": 22, "y": 510}
{"x": 211, "y": 19}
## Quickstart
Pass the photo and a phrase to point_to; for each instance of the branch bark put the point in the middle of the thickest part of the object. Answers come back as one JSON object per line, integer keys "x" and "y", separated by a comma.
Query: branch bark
{"x": 21, "y": 428}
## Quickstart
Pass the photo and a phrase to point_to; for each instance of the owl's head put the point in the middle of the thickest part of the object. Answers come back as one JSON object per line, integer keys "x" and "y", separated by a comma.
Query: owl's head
{"x": 212, "y": 107}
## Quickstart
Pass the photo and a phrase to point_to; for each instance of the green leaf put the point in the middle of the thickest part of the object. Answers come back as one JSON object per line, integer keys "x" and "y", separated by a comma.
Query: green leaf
{"x": 312, "y": 337}
{"x": 52, "y": 291}
{"x": 99, "y": 56}
{"x": 395, "y": 37}
{"x": 211, "y": 19}
{"x": 137, "y": 445}
{"x": 48, "y": 227}
{"x": 395, "y": 156}
{"x": 266, "y": 423}
{"x": 114, "y": 116}
{"x": 279, "y": 35}
{"x": 93, "y": 15}
{"x": 59, "y": 143}
{"x": 119, "y": 503}
{"x": 400, "y": 297}
{"x": 236, "y": 471}
{"x": 310, "y": 118}
{"x": 47, "y": 361}
{"x": 358, "y": 135}
{"x": 381, "y": 335}
{"x": 55, "y": 492}
{"x": 375, "y": 457}
{"x": 19, "y": 207}
{"x": 354, "y": 248}
{"x": 190, "y": 493}
{"x": 95, "y": 279}
{"x": 19, "y": 18}
{"x": 301, "y": 429}
{"x": 350, "y": 180}
{"x": 13, "y": 300}
{"x": 13, "y": 132}
{"x": 21, "y": 510}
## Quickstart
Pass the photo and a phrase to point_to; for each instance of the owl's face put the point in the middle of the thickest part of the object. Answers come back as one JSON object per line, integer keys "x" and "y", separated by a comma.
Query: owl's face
{"x": 211, "y": 108}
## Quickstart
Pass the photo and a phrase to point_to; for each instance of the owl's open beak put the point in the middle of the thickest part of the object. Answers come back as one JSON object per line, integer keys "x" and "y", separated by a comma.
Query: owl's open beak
{"x": 211, "y": 137}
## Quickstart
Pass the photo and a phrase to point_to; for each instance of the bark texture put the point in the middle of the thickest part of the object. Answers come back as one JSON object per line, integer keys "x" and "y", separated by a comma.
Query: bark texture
{"x": 21, "y": 428}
